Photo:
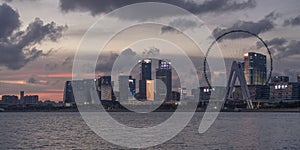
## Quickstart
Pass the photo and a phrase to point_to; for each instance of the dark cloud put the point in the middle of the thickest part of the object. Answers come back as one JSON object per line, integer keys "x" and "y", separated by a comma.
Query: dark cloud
{"x": 261, "y": 26}
{"x": 105, "y": 63}
{"x": 104, "y": 6}
{"x": 9, "y": 21}
{"x": 181, "y": 24}
{"x": 35, "y": 80}
{"x": 51, "y": 66}
{"x": 281, "y": 47}
{"x": 18, "y": 47}
{"x": 167, "y": 29}
{"x": 128, "y": 52}
{"x": 292, "y": 48}
{"x": 68, "y": 61}
{"x": 276, "y": 42}
{"x": 293, "y": 21}
{"x": 152, "y": 51}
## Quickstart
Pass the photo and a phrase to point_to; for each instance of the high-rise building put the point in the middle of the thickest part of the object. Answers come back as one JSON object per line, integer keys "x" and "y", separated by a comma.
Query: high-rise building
{"x": 150, "y": 90}
{"x": 255, "y": 68}
{"x": 126, "y": 87}
{"x": 68, "y": 93}
{"x": 146, "y": 73}
{"x": 105, "y": 88}
{"x": 22, "y": 97}
{"x": 164, "y": 73}
{"x": 132, "y": 87}
{"x": 298, "y": 78}
{"x": 79, "y": 89}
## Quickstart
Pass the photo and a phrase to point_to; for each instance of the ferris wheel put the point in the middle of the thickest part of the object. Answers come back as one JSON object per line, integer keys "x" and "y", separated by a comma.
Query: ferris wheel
{"x": 233, "y": 49}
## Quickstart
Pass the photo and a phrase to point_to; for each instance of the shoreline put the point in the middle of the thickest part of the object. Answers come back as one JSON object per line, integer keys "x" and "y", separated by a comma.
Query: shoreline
{"x": 283, "y": 110}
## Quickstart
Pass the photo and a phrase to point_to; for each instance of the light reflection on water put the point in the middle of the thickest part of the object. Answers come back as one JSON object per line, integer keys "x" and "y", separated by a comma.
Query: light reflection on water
{"x": 66, "y": 130}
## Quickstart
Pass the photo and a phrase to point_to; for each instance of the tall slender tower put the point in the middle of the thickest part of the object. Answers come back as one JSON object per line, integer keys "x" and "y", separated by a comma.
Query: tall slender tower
{"x": 146, "y": 67}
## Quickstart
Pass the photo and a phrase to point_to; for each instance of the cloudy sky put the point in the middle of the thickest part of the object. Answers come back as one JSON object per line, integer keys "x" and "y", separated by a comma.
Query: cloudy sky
{"x": 39, "y": 38}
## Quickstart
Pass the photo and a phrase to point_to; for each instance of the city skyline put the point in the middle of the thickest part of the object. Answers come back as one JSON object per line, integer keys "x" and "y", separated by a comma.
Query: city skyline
{"x": 45, "y": 73}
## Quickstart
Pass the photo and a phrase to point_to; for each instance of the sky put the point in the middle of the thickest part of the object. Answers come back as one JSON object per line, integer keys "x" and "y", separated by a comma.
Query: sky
{"x": 39, "y": 38}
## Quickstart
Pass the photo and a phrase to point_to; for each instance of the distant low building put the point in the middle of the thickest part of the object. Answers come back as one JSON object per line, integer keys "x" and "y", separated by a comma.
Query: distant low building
{"x": 285, "y": 91}
{"x": 257, "y": 92}
{"x": 10, "y": 100}
{"x": 31, "y": 99}
{"x": 280, "y": 79}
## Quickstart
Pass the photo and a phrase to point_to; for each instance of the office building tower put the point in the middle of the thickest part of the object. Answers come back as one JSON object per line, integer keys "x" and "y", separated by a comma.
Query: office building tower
{"x": 150, "y": 90}
{"x": 255, "y": 68}
{"x": 126, "y": 87}
{"x": 146, "y": 67}
{"x": 22, "y": 97}
{"x": 298, "y": 78}
{"x": 132, "y": 87}
{"x": 105, "y": 88}
{"x": 68, "y": 93}
{"x": 164, "y": 74}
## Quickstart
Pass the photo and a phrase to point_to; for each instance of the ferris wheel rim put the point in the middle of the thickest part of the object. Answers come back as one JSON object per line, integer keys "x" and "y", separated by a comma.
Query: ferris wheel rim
{"x": 237, "y": 31}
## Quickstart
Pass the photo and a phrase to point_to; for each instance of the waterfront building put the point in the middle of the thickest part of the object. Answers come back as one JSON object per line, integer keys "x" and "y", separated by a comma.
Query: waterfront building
{"x": 145, "y": 74}
{"x": 105, "y": 88}
{"x": 257, "y": 92}
{"x": 22, "y": 98}
{"x": 150, "y": 90}
{"x": 11, "y": 100}
{"x": 164, "y": 73}
{"x": 126, "y": 87}
{"x": 31, "y": 99}
{"x": 285, "y": 91}
{"x": 255, "y": 68}
{"x": 280, "y": 79}
{"x": 68, "y": 98}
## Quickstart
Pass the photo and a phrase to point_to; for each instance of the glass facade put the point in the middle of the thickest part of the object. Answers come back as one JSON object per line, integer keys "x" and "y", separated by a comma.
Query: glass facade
{"x": 255, "y": 68}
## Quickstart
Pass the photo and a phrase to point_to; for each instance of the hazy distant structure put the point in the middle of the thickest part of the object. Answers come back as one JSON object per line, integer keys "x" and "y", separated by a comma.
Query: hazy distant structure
{"x": 298, "y": 78}
{"x": 104, "y": 86}
{"x": 22, "y": 102}
{"x": 68, "y": 94}
{"x": 145, "y": 74}
{"x": 255, "y": 68}
{"x": 164, "y": 73}
{"x": 127, "y": 87}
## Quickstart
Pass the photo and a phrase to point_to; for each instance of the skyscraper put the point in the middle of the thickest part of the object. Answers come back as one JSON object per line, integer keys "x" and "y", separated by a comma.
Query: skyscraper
{"x": 146, "y": 67}
{"x": 298, "y": 78}
{"x": 150, "y": 90}
{"x": 126, "y": 87}
{"x": 105, "y": 88}
{"x": 164, "y": 73}
{"x": 255, "y": 68}
{"x": 68, "y": 93}
{"x": 22, "y": 102}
